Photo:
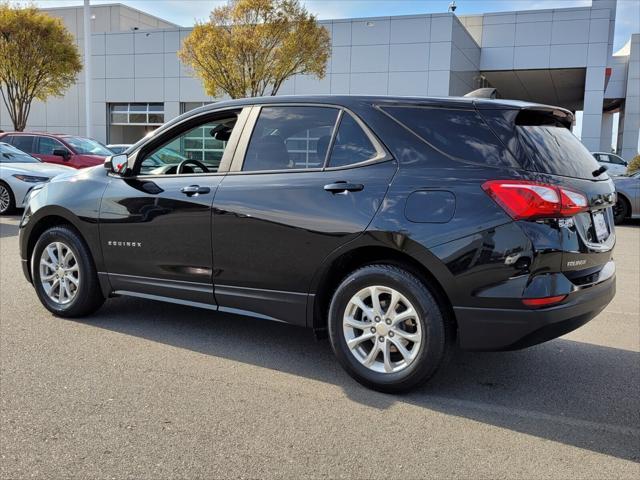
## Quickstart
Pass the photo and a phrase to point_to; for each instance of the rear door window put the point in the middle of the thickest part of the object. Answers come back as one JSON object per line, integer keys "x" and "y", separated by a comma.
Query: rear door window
{"x": 461, "y": 135}
{"x": 290, "y": 137}
{"x": 22, "y": 142}
{"x": 351, "y": 145}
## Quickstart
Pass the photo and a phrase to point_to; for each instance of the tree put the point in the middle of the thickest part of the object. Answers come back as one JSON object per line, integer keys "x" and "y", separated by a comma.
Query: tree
{"x": 250, "y": 47}
{"x": 38, "y": 59}
{"x": 634, "y": 165}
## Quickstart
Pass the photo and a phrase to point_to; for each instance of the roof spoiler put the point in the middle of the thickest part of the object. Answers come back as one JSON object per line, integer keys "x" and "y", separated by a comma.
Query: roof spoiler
{"x": 491, "y": 93}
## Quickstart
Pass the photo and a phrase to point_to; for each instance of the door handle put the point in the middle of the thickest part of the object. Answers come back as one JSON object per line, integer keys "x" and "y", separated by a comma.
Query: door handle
{"x": 339, "y": 187}
{"x": 192, "y": 190}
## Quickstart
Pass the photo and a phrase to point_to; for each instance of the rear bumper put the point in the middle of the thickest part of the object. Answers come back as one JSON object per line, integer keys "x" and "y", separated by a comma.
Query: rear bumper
{"x": 511, "y": 329}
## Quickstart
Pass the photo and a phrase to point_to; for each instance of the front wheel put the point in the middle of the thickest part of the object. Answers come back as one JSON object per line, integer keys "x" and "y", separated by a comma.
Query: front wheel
{"x": 64, "y": 275}
{"x": 7, "y": 199}
{"x": 386, "y": 328}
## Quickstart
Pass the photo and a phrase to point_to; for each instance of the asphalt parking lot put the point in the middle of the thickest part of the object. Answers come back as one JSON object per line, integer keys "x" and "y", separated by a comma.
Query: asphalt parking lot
{"x": 152, "y": 390}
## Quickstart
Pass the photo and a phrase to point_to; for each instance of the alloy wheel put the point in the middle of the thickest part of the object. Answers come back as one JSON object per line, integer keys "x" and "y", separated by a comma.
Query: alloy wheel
{"x": 382, "y": 329}
{"x": 5, "y": 199}
{"x": 59, "y": 273}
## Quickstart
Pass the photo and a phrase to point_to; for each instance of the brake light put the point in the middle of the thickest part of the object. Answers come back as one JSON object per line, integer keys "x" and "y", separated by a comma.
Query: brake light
{"x": 523, "y": 199}
{"x": 543, "y": 302}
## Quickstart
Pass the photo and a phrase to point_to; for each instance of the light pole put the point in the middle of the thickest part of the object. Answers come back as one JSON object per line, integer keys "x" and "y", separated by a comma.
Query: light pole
{"x": 87, "y": 68}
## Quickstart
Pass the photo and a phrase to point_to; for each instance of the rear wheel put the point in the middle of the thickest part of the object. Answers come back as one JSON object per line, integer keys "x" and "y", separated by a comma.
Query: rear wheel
{"x": 64, "y": 275}
{"x": 621, "y": 210}
{"x": 7, "y": 199}
{"x": 386, "y": 328}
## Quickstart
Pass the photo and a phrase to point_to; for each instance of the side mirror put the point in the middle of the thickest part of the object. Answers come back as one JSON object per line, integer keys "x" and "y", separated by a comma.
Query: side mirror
{"x": 61, "y": 152}
{"x": 118, "y": 164}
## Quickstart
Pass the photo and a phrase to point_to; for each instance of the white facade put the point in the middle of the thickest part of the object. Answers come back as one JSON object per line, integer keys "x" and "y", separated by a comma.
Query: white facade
{"x": 560, "y": 56}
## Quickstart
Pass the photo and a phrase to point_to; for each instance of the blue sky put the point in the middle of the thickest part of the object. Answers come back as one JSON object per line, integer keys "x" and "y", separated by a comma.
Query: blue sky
{"x": 185, "y": 12}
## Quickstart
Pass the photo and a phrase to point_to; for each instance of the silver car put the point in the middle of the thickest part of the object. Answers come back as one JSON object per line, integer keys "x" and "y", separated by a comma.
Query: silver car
{"x": 615, "y": 165}
{"x": 628, "y": 189}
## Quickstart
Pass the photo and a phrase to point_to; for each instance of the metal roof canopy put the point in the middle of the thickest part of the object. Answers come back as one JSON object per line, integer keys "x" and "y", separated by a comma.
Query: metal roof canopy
{"x": 562, "y": 87}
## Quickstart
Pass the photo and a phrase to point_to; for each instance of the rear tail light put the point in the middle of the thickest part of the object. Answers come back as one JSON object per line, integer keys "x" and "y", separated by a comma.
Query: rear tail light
{"x": 543, "y": 302}
{"x": 528, "y": 200}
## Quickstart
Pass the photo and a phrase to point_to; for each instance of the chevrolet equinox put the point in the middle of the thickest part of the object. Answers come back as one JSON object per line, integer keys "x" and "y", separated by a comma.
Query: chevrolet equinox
{"x": 398, "y": 226}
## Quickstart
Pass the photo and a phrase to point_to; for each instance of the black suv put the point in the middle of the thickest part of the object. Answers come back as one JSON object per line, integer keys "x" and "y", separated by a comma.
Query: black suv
{"x": 397, "y": 225}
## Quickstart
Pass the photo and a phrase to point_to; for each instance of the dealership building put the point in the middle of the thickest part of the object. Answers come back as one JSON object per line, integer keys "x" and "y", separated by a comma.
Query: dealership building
{"x": 560, "y": 56}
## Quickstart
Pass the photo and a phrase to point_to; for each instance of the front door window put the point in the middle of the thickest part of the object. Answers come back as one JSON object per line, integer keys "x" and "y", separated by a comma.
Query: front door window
{"x": 197, "y": 150}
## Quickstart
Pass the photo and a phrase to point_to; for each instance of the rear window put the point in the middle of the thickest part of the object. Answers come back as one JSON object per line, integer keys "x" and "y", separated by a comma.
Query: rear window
{"x": 459, "y": 134}
{"x": 544, "y": 143}
{"x": 22, "y": 142}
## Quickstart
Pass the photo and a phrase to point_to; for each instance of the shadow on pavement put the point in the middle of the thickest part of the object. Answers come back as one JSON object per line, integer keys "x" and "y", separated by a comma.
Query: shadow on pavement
{"x": 565, "y": 391}
{"x": 9, "y": 226}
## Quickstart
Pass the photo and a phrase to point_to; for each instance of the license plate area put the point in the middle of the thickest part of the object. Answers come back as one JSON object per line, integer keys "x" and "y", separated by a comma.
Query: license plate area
{"x": 600, "y": 225}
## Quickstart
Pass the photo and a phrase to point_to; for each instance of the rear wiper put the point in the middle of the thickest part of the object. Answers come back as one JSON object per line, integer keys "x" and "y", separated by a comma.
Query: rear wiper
{"x": 599, "y": 171}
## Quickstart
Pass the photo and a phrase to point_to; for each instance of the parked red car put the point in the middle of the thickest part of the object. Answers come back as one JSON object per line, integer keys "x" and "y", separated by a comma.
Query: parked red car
{"x": 69, "y": 150}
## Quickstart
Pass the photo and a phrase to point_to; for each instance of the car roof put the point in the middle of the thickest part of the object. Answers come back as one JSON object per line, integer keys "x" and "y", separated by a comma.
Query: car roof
{"x": 40, "y": 134}
{"x": 606, "y": 153}
{"x": 347, "y": 100}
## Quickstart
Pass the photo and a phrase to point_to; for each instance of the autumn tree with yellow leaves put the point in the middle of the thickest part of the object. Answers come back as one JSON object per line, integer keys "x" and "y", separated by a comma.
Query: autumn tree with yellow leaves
{"x": 38, "y": 59}
{"x": 249, "y": 48}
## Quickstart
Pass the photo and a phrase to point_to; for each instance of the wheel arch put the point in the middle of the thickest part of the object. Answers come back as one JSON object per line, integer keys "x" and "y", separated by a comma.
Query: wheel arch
{"x": 46, "y": 219}
{"x": 346, "y": 262}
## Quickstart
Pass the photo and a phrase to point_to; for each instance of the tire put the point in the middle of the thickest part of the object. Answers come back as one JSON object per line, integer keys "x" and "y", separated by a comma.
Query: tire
{"x": 7, "y": 200}
{"x": 430, "y": 325}
{"x": 621, "y": 210}
{"x": 84, "y": 299}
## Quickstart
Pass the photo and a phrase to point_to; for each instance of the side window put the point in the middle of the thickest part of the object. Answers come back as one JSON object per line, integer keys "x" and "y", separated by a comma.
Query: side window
{"x": 47, "y": 145}
{"x": 199, "y": 150}
{"x": 459, "y": 134}
{"x": 23, "y": 142}
{"x": 352, "y": 145}
{"x": 615, "y": 160}
{"x": 290, "y": 137}
{"x": 603, "y": 158}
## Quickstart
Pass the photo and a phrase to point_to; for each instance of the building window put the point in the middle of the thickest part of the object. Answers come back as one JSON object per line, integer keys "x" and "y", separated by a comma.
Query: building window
{"x": 198, "y": 144}
{"x": 137, "y": 113}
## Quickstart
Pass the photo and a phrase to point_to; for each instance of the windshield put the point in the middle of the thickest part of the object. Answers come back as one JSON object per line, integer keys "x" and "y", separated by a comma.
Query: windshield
{"x": 88, "y": 146}
{"x": 10, "y": 154}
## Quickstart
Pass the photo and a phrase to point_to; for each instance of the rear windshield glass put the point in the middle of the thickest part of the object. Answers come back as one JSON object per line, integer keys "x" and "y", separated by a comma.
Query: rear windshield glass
{"x": 542, "y": 142}
{"x": 459, "y": 134}
{"x": 557, "y": 151}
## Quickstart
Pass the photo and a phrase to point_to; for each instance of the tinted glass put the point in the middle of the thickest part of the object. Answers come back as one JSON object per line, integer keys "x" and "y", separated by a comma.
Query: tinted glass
{"x": 542, "y": 142}
{"x": 22, "y": 142}
{"x": 47, "y": 145}
{"x": 557, "y": 151}
{"x": 10, "y": 154}
{"x": 87, "y": 146}
{"x": 205, "y": 144}
{"x": 459, "y": 134}
{"x": 290, "y": 138}
{"x": 352, "y": 145}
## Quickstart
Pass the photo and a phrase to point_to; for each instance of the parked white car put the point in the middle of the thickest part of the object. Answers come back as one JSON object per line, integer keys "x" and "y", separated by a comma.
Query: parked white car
{"x": 19, "y": 173}
{"x": 615, "y": 165}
